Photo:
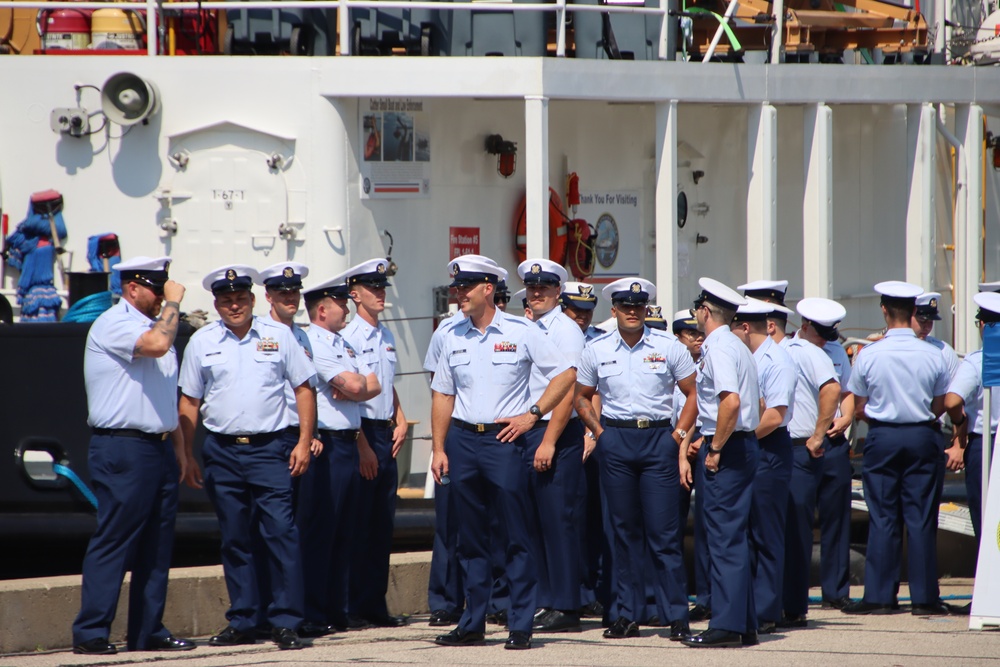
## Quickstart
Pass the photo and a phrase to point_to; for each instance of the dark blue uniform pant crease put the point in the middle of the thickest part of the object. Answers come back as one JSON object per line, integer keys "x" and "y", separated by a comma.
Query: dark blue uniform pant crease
{"x": 445, "y": 586}
{"x": 641, "y": 483}
{"x": 325, "y": 516}
{"x": 690, "y": 499}
{"x": 973, "y": 458}
{"x": 768, "y": 512}
{"x": 136, "y": 485}
{"x": 372, "y": 543}
{"x": 727, "y": 495}
{"x": 488, "y": 480}
{"x": 901, "y": 477}
{"x": 558, "y": 517}
{"x": 595, "y": 550}
{"x": 251, "y": 489}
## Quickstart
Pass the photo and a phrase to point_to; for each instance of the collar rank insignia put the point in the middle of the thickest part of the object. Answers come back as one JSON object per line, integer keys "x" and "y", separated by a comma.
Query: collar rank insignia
{"x": 636, "y": 288}
{"x": 505, "y": 347}
{"x": 231, "y": 275}
{"x": 267, "y": 345}
{"x": 288, "y": 273}
{"x": 586, "y": 291}
{"x": 536, "y": 269}
{"x": 380, "y": 268}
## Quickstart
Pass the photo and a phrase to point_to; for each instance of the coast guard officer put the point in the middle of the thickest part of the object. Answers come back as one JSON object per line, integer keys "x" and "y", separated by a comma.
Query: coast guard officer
{"x": 729, "y": 406}
{"x": 235, "y": 371}
{"x": 776, "y": 375}
{"x": 817, "y": 394}
{"x": 136, "y": 457}
{"x": 384, "y": 425}
{"x": 554, "y": 457}
{"x": 773, "y": 292}
{"x": 328, "y": 491}
{"x": 634, "y": 368}
{"x": 964, "y": 403}
{"x": 922, "y": 324}
{"x": 579, "y": 302}
{"x": 479, "y": 418}
{"x": 899, "y": 390}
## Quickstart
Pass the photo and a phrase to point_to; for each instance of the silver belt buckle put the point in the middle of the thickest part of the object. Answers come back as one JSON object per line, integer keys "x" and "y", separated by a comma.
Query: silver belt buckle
{"x": 642, "y": 423}
{"x": 242, "y": 440}
{"x": 164, "y": 436}
{"x": 480, "y": 428}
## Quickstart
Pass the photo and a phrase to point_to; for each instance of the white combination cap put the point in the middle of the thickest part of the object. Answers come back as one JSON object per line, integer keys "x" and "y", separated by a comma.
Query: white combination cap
{"x": 473, "y": 269}
{"x": 825, "y": 312}
{"x": 754, "y": 310}
{"x": 285, "y": 276}
{"x": 335, "y": 288}
{"x": 374, "y": 273}
{"x": 630, "y": 290}
{"x": 766, "y": 289}
{"x": 579, "y": 295}
{"x": 897, "y": 289}
{"x": 230, "y": 278}
{"x": 990, "y": 287}
{"x": 541, "y": 272}
{"x": 719, "y": 294}
{"x": 151, "y": 271}
{"x": 989, "y": 306}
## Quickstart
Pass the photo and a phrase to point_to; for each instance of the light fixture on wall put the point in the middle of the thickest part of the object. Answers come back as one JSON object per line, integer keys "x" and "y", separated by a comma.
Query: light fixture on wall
{"x": 506, "y": 152}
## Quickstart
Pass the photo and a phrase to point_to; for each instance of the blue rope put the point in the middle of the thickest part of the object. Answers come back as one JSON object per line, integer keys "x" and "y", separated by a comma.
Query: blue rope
{"x": 72, "y": 476}
{"x": 88, "y": 308}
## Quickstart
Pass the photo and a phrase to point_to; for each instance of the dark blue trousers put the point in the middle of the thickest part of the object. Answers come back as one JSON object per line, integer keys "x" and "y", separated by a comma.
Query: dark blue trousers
{"x": 834, "y": 507}
{"x": 641, "y": 482}
{"x": 251, "y": 489}
{"x": 727, "y": 500}
{"x": 325, "y": 515}
{"x": 702, "y": 584}
{"x": 445, "y": 587}
{"x": 487, "y": 479}
{"x": 768, "y": 510}
{"x": 556, "y": 530}
{"x": 136, "y": 485}
{"x": 806, "y": 474}
{"x": 974, "y": 480}
{"x": 373, "y": 537}
{"x": 595, "y": 551}
{"x": 901, "y": 469}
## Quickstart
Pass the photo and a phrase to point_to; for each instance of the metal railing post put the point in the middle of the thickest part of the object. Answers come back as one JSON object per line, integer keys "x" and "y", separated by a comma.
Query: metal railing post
{"x": 344, "y": 28}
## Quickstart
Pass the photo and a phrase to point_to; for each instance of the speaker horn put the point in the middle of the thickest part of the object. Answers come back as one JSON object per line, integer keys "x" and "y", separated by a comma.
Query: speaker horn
{"x": 128, "y": 99}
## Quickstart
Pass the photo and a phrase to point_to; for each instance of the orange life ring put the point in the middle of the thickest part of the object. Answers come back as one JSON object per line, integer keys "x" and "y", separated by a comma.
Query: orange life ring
{"x": 558, "y": 229}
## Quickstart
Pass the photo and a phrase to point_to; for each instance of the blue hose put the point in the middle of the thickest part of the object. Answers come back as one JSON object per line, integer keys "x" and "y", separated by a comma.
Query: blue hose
{"x": 88, "y": 308}
{"x": 72, "y": 476}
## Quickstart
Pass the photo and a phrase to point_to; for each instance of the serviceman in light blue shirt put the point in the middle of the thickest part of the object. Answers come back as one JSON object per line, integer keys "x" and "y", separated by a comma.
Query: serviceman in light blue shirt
{"x": 922, "y": 324}
{"x": 729, "y": 407}
{"x": 579, "y": 302}
{"x": 899, "y": 389}
{"x": 234, "y": 371}
{"x": 773, "y": 292}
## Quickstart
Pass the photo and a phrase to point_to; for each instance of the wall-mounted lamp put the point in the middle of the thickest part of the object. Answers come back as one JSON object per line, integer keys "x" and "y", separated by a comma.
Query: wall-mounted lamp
{"x": 506, "y": 152}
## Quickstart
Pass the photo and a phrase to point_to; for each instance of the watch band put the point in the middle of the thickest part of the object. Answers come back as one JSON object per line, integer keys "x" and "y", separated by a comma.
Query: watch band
{"x": 713, "y": 450}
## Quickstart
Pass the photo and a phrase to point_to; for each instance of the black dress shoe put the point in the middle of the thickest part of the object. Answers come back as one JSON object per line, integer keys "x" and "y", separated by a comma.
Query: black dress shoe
{"x": 654, "y": 621}
{"x": 353, "y": 622}
{"x": 518, "y": 641}
{"x": 749, "y": 639}
{"x": 593, "y": 610}
{"x": 385, "y": 621}
{"x": 699, "y": 612}
{"x": 286, "y": 639}
{"x": 862, "y": 608}
{"x": 836, "y": 603}
{"x": 459, "y": 637}
{"x": 622, "y": 629}
{"x": 442, "y": 617}
{"x": 169, "y": 644}
{"x": 964, "y": 610}
{"x": 938, "y": 608}
{"x": 557, "y": 621}
{"x": 793, "y": 621}
{"x": 232, "y": 637}
{"x": 679, "y": 631}
{"x": 767, "y": 627}
{"x": 310, "y": 629}
{"x": 713, "y": 638}
{"x": 499, "y": 618}
{"x": 96, "y": 646}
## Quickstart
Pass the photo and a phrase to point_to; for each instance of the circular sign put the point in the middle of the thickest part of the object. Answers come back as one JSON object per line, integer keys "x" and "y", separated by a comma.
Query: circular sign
{"x": 366, "y": 185}
{"x": 607, "y": 240}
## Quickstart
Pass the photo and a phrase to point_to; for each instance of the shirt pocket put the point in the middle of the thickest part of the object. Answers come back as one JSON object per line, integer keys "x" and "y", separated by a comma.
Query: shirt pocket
{"x": 268, "y": 367}
{"x": 461, "y": 368}
{"x": 505, "y": 367}
{"x": 215, "y": 370}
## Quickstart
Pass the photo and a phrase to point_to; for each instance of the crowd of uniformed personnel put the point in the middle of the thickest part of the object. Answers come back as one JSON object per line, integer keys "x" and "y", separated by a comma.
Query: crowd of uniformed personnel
{"x": 564, "y": 456}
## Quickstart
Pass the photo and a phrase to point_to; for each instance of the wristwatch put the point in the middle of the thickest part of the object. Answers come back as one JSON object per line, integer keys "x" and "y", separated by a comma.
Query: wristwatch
{"x": 535, "y": 410}
{"x": 681, "y": 432}
{"x": 713, "y": 450}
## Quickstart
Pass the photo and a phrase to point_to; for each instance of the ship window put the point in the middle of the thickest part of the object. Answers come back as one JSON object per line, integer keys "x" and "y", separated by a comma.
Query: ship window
{"x": 682, "y": 210}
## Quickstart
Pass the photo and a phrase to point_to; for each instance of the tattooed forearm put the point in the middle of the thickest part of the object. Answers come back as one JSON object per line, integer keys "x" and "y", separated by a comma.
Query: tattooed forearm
{"x": 169, "y": 319}
{"x": 588, "y": 415}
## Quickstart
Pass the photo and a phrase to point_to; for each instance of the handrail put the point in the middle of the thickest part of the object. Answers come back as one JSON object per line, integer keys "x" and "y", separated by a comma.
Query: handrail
{"x": 560, "y": 7}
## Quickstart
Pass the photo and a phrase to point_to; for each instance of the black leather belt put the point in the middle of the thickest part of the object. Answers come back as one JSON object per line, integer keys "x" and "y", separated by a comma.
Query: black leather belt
{"x": 131, "y": 433}
{"x": 344, "y": 433}
{"x": 491, "y": 427}
{"x": 249, "y": 439}
{"x": 933, "y": 423}
{"x": 380, "y": 423}
{"x": 637, "y": 423}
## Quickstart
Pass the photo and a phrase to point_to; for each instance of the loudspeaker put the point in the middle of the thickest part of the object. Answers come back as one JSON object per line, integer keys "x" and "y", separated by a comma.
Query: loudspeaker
{"x": 128, "y": 99}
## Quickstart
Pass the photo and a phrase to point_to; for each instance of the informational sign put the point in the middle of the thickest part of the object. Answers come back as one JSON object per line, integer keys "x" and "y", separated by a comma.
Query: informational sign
{"x": 395, "y": 148}
{"x": 616, "y": 218}
{"x": 986, "y": 594}
{"x": 463, "y": 241}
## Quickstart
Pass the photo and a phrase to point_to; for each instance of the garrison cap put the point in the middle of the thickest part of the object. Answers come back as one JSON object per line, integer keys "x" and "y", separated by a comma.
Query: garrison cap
{"x": 474, "y": 269}
{"x": 579, "y": 295}
{"x": 284, "y": 276}
{"x": 754, "y": 310}
{"x": 541, "y": 272}
{"x": 715, "y": 292}
{"x": 683, "y": 319}
{"x": 230, "y": 278}
{"x": 335, "y": 288}
{"x": 825, "y": 315}
{"x": 927, "y": 305}
{"x": 990, "y": 287}
{"x": 766, "y": 289}
{"x": 150, "y": 271}
{"x": 635, "y": 291}
{"x": 989, "y": 306}
{"x": 372, "y": 273}
{"x": 654, "y": 318}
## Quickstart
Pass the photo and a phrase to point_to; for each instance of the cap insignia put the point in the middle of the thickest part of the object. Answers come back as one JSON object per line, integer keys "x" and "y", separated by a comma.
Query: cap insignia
{"x": 380, "y": 268}
{"x": 536, "y": 269}
{"x": 654, "y": 311}
{"x": 636, "y": 288}
{"x": 586, "y": 290}
{"x": 231, "y": 275}
{"x": 288, "y": 273}
{"x": 933, "y": 303}
{"x": 455, "y": 269}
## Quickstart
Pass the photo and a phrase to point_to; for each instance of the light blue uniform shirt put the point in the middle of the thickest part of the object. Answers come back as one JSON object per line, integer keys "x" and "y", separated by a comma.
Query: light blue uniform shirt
{"x": 593, "y": 333}
{"x": 814, "y": 368}
{"x": 331, "y": 357}
{"x": 303, "y": 340}
{"x": 900, "y": 375}
{"x": 727, "y": 365}
{"x": 968, "y": 383}
{"x": 241, "y": 383}
{"x": 776, "y": 375}
{"x": 376, "y": 346}
{"x": 437, "y": 341}
{"x": 680, "y": 400}
{"x": 125, "y": 391}
{"x": 566, "y": 334}
{"x": 488, "y": 373}
{"x": 842, "y": 364}
{"x": 951, "y": 360}
{"x": 636, "y": 382}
